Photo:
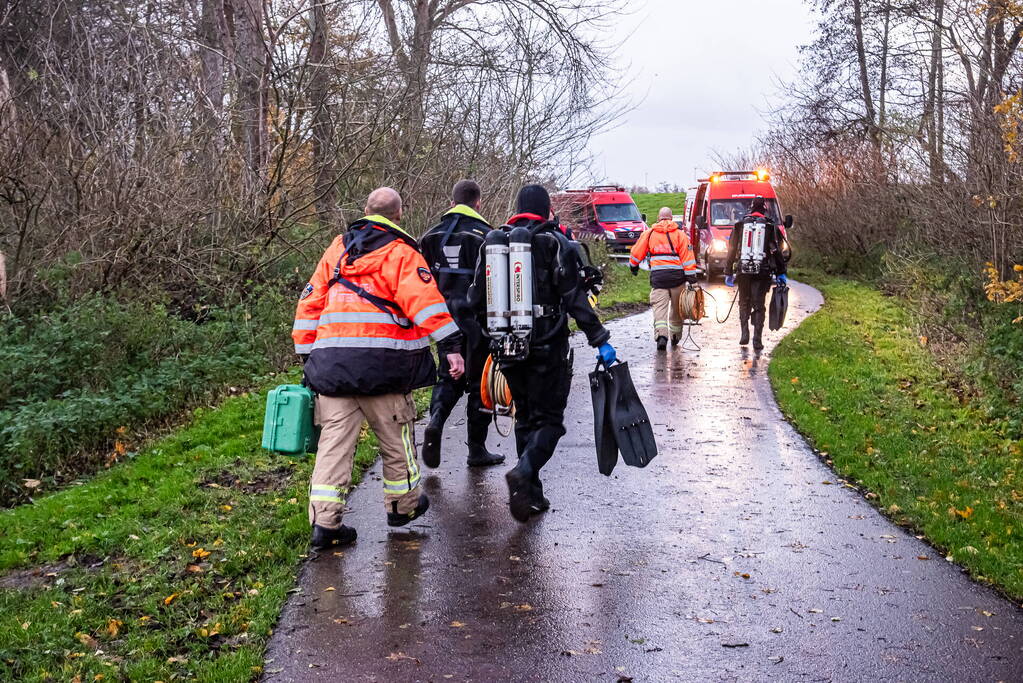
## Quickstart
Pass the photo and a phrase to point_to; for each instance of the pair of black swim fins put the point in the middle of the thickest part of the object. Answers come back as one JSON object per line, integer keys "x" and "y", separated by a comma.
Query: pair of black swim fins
{"x": 620, "y": 422}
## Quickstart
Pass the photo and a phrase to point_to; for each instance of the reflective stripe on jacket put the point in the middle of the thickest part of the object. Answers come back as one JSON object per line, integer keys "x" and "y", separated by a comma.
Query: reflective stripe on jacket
{"x": 354, "y": 347}
{"x": 666, "y": 246}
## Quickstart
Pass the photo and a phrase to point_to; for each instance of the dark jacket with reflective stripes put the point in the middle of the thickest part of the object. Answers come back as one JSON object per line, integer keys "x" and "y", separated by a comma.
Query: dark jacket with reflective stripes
{"x": 453, "y": 249}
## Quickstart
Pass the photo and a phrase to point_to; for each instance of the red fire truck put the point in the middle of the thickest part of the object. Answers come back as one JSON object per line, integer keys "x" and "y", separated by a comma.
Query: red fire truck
{"x": 601, "y": 212}
{"x": 715, "y": 205}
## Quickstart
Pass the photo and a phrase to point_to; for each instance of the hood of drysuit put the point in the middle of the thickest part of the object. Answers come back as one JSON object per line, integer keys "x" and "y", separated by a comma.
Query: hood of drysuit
{"x": 366, "y": 256}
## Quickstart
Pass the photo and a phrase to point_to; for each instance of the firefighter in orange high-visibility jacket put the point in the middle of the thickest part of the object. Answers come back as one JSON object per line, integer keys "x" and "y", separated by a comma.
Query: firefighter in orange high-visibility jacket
{"x": 363, "y": 327}
{"x": 672, "y": 265}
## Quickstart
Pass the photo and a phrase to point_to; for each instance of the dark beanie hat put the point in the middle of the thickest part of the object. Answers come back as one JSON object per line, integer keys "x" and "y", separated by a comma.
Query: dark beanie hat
{"x": 759, "y": 205}
{"x": 534, "y": 199}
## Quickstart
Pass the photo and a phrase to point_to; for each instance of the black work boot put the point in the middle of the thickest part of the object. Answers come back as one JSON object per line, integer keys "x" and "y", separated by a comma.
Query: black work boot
{"x": 675, "y": 339}
{"x": 431, "y": 442}
{"x": 395, "y": 518}
{"x": 662, "y": 343}
{"x": 758, "y": 341}
{"x": 479, "y": 456}
{"x": 743, "y": 329}
{"x": 333, "y": 538}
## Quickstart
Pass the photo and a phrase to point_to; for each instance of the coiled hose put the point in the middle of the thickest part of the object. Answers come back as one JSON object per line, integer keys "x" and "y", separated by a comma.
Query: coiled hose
{"x": 495, "y": 394}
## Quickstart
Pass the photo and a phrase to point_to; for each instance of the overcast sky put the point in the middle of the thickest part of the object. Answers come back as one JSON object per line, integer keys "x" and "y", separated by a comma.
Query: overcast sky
{"x": 703, "y": 73}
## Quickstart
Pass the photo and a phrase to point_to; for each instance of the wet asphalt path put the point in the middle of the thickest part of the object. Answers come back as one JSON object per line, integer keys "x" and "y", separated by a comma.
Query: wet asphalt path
{"x": 736, "y": 555}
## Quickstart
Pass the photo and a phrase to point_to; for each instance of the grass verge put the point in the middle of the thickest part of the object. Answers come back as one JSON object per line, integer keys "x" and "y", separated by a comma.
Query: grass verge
{"x": 650, "y": 204}
{"x": 173, "y": 565}
{"x": 856, "y": 379}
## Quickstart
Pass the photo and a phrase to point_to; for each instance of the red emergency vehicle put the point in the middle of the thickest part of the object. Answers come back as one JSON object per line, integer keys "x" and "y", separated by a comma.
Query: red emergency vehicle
{"x": 601, "y": 212}
{"x": 715, "y": 205}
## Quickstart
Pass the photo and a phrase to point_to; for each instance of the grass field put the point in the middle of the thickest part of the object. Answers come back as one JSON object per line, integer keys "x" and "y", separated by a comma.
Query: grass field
{"x": 858, "y": 381}
{"x": 650, "y": 204}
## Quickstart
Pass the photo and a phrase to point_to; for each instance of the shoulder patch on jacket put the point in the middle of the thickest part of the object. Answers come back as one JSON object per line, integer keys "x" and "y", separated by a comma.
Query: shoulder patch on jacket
{"x": 425, "y": 275}
{"x": 307, "y": 291}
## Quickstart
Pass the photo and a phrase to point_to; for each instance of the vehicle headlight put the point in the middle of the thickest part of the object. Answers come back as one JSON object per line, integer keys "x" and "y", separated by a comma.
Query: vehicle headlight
{"x": 610, "y": 234}
{"x": 718, "y": 245}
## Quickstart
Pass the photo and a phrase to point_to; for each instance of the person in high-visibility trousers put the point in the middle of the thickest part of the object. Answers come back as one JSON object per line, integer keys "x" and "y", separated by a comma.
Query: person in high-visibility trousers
{"x": 672, "y": 265}
{"x": 363, "y": 328}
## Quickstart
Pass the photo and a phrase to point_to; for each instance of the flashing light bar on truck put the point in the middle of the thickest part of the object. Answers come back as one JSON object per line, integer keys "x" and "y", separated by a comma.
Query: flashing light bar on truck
{"x": 761, "y": 175}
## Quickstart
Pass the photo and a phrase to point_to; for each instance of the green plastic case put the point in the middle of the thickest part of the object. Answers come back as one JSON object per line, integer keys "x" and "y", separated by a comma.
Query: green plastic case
{"x": 288, "y": 425}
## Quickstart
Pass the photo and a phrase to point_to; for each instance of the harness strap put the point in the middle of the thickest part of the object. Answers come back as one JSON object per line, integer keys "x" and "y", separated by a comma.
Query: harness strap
{"x": 384, "y": 305}
{"x": 448, "y": 232}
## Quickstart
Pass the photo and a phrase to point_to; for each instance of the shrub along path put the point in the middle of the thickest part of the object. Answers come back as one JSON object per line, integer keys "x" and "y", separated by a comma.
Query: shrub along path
{"x": 737, "y": 554}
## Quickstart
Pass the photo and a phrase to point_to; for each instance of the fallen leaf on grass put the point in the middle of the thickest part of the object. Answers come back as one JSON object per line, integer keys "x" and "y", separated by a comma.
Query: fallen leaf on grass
{"x": 87, "y": 640}
{"x": 965, "y": 514}
{"x": 32, "y": 483}
{"x": 194, "y": 569}
{"x": 171, "y": 598}
{"x": 200, "y": 553}
{"x": 114, "y": 627}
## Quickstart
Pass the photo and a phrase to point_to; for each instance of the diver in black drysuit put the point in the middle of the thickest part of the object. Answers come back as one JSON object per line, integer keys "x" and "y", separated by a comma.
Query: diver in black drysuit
{"x": 452, "y": 249}
{"x": 753, "y": 289}
{"x": 541, "y": 382}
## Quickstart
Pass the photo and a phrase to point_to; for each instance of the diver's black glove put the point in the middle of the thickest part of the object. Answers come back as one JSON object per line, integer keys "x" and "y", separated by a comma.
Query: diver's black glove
{"x": 634, "y": 269}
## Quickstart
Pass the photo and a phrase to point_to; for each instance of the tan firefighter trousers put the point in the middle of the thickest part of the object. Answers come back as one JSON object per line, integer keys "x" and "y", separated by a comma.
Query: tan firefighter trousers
{"x": 667, "y": 319}
{"x": 391, "y": 417}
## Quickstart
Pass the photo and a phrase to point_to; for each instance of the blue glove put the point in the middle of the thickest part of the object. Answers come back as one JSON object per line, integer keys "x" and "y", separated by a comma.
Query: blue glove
{"x": 606, "y": 354}
{"x": 783, "y": 279}
{"x": 730, "y": 280}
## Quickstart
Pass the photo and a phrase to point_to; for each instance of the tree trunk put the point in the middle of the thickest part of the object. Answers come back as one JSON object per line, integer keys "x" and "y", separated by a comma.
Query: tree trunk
{"x": 322, "y": 124}
{"x": 212, "y": 32}
{"x": 250, "y": 66}
{"x": 861, "y": 57}
{"x": 934, "y": 83}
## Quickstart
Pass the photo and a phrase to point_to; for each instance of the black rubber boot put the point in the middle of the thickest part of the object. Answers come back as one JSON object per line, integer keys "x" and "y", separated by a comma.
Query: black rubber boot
{"x": 540, "y": 502}
{"x": 333, "y": 538}
{"x": 479, "y": 456}
{"x": 520, "y": 493}
{"x": 395, "y": 518}
{"x": 758, "y": 341}
{"x": 662, "y": 343}
{"x": 743, "y": 334}
{"x": 675, "y": 339}
{"x": 431, "y": 443}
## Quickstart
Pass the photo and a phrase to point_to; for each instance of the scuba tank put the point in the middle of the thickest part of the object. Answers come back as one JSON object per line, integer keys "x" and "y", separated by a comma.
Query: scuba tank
{"x": 520, "y": 284}
{"x": 751, "y": 248}
{"x": 495, "y": 253}
{"x": 520, "y": 267}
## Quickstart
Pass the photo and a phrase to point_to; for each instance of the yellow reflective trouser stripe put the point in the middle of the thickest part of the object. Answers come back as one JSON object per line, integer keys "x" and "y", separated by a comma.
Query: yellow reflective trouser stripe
{"x": 400, "y": 487}
{"x": 327, "y": 494}
{"x": 660, "y": 323}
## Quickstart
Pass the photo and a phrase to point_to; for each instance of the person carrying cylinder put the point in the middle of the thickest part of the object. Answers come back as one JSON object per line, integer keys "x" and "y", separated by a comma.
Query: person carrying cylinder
{"x": 672, "y": 265}
{"x": 452, "y": 249}
{"x": 363, "y": 328}
{"x": 529, "y": 283}
{"x": 755, "y": 258}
